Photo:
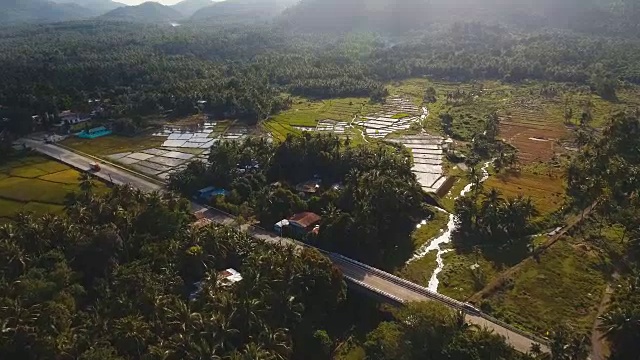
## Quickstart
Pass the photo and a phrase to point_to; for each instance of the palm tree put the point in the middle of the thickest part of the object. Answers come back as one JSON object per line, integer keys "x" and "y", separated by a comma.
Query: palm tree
{"x": 536, "y": 351}
{"x": 253, "y": 351}
{"x": 579, "y": 347}
{"x": 490, "y": 210}
{"x": 619, "y": 324}
{"x": 459, "y": 322}
{"x": 277, "y": 341}
{"x": 86, "y": 183}
{"x": 512, "y": 159}
{"x": 475, "y": 177}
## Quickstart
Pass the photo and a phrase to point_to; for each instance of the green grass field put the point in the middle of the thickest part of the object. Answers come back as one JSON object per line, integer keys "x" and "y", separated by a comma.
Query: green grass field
{"x": 419, "y": 271}
{"x": 564, "y": 287}
{"x": 35, "y": 184}
{"x": 430, "y": 230}
{"x": 448, "y": 202}
{"x": 461, "y": 277}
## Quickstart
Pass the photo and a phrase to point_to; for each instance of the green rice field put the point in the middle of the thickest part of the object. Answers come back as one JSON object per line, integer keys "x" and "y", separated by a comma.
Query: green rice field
{"x": 35, "y": 184}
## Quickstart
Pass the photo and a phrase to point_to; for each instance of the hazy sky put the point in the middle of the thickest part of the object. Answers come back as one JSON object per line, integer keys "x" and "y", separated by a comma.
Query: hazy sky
{"x": 136, "y": 2}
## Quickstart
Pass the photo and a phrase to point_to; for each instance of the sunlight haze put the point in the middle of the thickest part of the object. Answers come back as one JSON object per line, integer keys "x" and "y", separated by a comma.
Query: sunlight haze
{"x": 163, "y": 2}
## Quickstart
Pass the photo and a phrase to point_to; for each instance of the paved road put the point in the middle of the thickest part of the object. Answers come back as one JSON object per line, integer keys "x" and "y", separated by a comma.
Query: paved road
{"x": 373, "y": 279}
{"x": 108, "y": 172}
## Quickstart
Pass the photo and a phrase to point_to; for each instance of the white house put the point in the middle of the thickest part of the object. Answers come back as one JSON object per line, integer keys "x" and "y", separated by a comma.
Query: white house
{"x": 71, "y": 118}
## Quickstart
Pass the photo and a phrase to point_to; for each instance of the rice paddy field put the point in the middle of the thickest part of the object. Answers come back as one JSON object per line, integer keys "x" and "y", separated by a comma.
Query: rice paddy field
{"x": 306, "y": 113}
{"x": 113, "y": 144}
{"x": 35, "y": 184}
{"x": 546, "y": 189}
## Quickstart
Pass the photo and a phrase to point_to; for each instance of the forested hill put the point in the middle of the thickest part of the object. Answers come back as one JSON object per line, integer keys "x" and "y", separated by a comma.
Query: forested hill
{"x": 40, "y": 11}
{"x": 190, "y": 7}
{"x": 148, "y": 12}
{"x": 98, "y": 6}
{"x": 602, "y": 16}
{"x": 243, "y": 11}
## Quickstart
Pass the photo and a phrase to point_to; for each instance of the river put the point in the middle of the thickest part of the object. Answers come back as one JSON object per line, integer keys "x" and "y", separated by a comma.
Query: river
{"x": 444, "y": 238}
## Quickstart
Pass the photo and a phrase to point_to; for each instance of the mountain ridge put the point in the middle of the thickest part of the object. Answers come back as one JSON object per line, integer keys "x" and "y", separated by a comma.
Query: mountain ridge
{"x": 40, "y": 11}
{"x": 148, "y": 13}
{"x": 190, "y": 7}
{"x": 242, "y": 11}
{"x": 98, "y": 6}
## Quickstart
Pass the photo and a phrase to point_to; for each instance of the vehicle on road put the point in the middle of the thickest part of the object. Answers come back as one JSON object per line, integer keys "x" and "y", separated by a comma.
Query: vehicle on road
{"x": 95, "y": 167}
{"x": 471, "y": 309}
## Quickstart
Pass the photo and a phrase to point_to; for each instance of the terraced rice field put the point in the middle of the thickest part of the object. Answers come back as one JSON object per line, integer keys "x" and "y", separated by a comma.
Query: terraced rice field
{"x": 534, "y": 133}
{"x": 427, "y": 157}
{"x": 305, "y": 114}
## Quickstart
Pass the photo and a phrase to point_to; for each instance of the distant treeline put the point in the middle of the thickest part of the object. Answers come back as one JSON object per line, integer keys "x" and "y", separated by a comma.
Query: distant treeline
{"x": 243, "y": 72}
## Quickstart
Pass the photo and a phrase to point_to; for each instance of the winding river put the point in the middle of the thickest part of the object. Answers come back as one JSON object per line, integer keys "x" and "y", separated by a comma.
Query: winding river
{"x": 444, "y": 238}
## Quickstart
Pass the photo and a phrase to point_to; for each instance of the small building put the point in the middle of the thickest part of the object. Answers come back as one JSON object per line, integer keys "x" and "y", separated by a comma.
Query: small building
{"x": 280, "y": 226}
{"x": 225, "y": 278}
{"x": 304, "y": 223}
{"x": 229, "y": 277}
{"x": 94, "y": 133}
{"x": 69, "y": 117}
{"x": 310, "y": 187}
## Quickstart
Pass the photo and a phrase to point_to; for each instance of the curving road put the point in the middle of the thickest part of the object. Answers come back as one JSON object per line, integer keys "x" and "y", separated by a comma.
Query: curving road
{"x": 374, "y": 280}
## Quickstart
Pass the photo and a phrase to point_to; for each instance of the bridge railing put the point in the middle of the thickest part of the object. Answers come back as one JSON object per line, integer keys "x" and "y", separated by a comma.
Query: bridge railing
{"x": 404, "y": 283}
{"x": 538, "y": 339}
{"x": 375, "y": 290}
{"x": 440, "y": 297}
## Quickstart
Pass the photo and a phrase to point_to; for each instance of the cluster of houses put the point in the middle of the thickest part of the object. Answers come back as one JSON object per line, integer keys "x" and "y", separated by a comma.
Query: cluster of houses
{"x": 68, "y": 117}
{"x": 298, "y": 225}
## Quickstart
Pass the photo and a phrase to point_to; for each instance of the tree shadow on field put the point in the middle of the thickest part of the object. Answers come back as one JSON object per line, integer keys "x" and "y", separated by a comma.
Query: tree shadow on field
{"x": 506, "y": 255}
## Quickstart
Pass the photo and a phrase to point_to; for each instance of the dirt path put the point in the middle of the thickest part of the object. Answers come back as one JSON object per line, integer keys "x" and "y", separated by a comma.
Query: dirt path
{"x": 493, "y": 286}
{"x": 599, "y": 350}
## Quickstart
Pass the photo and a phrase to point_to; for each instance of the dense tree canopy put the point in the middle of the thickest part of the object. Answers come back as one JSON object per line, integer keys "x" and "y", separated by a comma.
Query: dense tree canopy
{"x": 113, "y": 279}
{"x": 605, "y": 173}
{"x": 242, "y": 72}
{"x": 367, "y": 194}
{"x": 431, "y": 331}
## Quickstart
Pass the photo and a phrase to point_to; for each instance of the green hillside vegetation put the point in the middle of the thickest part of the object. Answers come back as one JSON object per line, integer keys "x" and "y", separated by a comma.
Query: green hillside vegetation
{"x": 545, "y": 93}
{"x": 98, "y": 6}
{"x": 190, "y": 7}
{"x": 242, "y": 11}
{"x": 41, "y": 11}
{"x": 126, "y": 273}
